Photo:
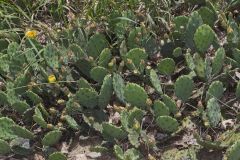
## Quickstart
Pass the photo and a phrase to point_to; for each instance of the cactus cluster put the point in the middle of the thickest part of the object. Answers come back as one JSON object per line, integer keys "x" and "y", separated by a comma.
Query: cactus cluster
{"x": 129, "y": 72}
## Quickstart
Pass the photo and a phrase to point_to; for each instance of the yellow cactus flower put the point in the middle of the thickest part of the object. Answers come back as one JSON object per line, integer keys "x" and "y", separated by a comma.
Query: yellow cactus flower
{"x": 31, "y": 34}
{"x": 51, "y": 79}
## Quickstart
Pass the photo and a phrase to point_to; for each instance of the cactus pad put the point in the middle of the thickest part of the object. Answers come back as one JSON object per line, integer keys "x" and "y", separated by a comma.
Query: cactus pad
{"x": 170, "y": 103}
{"x": 213, "y": 112}
{"x": 204, "y": 37}
{"x": 105, "y": 57}
{"x": 137, "y": 55}
{"x": 218, "y": 61}
{"x": 57, "y": 156}
{"x": 51, "y": 138}
{"x": 111, "y": 132}
{"x": 233, "y": 152}
{"x": 98, "y": 74}
{"x": 167, "y": 123}
{"x": 22, "y": 132}
{"x": 71, "y": 122}
{"x": 87, "y": 97}
{"x": 183, "y": 87}
{"x": 160, "y": 109}
{"x": 166, "y": 66}
{"x": 215, "y": 90}
{"x": 4, "y": 147}
{"x": 238, "y": 90}
{"x": 155, "y": 81}
{"x": 6, "y": 132}
{"x": 105, "y": 92}
{"x": 135, "y": 95}
{"x": 118, "y": 86}
{"x": 96, "y": 44}
{"x": 20, "y": 106}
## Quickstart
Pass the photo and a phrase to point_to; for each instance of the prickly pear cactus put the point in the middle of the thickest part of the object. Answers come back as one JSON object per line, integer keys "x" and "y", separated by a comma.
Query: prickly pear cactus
{"x": 203, "y": 38}
{"x": 167, "y": 123}
{"x": 6, "y": 132}
{"x": 137, "y": 58}
{"x": 135, "y": 114}
{"x": 195, "y": 20}
{"x": 83, "y": 83}
{"x": 57, "y": 156}
{"x": 22, "y": 132}
{"x": 170, "y": 103}
{"x": 135, "y": 95}
{"x": 155, "y": 81}
{"x": 215, "y": 90}
{"x": 218, "y": 61}
{"x": 105, "y": 57}
{"x": 183, "y": 87}
{"x": 87, "y": 97}
{"x": 51, "y": 137}
{"x": 4, "y": 147}
{"x": 20, "y": 106}
{"x": 233, "y": 151}
{"x": 38, "y": 118}
{"x": 118, "y": 86}
{"x": 166, "y": 66}
{"x": 71, "y": 122}
{"x": 98, "y": 73}
{"x": 96, "y": 44}
{"x": 200, "y": 66}
{"x": 160, "y": 109}
{"x": 133, "y": 137}
{"x": 213, "y": 112}
{"x": 208, "y": 16}
{"x": 105, "y": 92}
{"x": 112, "y": 132}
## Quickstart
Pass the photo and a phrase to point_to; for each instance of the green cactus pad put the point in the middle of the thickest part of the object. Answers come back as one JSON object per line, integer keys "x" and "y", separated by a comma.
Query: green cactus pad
{"x": 135, "y": 114}
{"x": 83, "y": 83}
{"x": 85, "y": 66}
{"x": 87, "y": 97}
{"x": 137, "y": 55}
{"x": 4, "y": 147}
{"x": 135, "y": 95}
{"x": 208, "y": 16}
{"x": 166, "y": 66}
{"x": 167, "y": 123}
{"x": 133, "y": 137}
{"x": 189, "y": 61}
{"x": 6, "y": 132}
{"x": 105, "y": 92}
{"x": 177, "y": 52}
{"x": 170, "y": 103}
{"x": 155, "y": 81}
{"x": 200, "y": 66}
{"x": 73, "y": 107}
{"x": 218, "y": 61}
{"x": 160, "y": 109}
{"x": 105, "y": 57}
{"x": 51, "y": 138}
{"x": 77, "y": 51}
{"x": 215, "y": 90}
{"x": 118, "y": 152}
{"x": 22, "y": 132}
{"x": 236, "y": 55}
{"x": 38, "y": 118}
{"x": 183, "y": 87}
{"x": 233, "y": 152}
{"x": 51, "y": 56}
{"x": 238, "y": 90}
{"x": 71, "y": 122}
{"x": 33, "y": 97}
{"x": 20, "y": 106}
{"x": 57, "y": 156}
{"x": 213, "y": 112}
{"x": 111, "y": 132}
{"x": 195, "y": 20}
{"x": 96, "y": 44}
{"x": 98, "y": 73}
{"x": 118, "y": 86}
{"x": 3, "y": 98}
{"x": 204, "y": 37}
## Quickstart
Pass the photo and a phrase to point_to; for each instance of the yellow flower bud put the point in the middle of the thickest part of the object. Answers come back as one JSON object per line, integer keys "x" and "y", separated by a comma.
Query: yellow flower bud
{"x": 51, "y": 79}
{"x": 31, "y": 34}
